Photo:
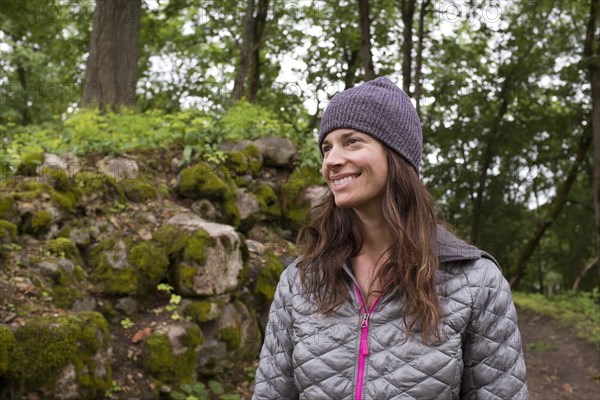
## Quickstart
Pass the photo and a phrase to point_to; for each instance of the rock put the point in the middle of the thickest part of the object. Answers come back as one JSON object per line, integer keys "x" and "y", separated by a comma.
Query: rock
{"x": 231, "y": 146}
{"x": 276, "y": 151}
{"x": 205, "y": 209}
{"x": 66, "y": 162}
{"x": 233, "y": 337}
{"x": 201, "y": 311}
{"x": 68, "y": 357}
{"x": 169, "y": 354}
{"x": 128, "y": 305}
{"x": 66, "y": 387}
{"x": 212, "y": 259}
{"x": 247, "y": 204}
{"x": 315, "y": 195}
{"x": 122, "y": 267}
{"x": 119, "y": 168}
{"x": 87, "y": 303}
{"x": 80, "y": 236}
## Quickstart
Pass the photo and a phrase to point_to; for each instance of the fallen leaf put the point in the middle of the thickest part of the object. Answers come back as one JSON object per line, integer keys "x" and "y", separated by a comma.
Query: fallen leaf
{"x": 567, "y": 388}
{"x": 141, "y": 334}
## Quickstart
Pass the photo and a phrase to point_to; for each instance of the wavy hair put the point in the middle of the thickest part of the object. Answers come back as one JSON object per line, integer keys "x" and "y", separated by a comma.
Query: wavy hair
{"x": 410, "y": 266}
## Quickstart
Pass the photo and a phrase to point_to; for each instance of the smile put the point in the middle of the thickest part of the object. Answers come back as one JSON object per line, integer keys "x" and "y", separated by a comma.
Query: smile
{"x": 345, "y": 180}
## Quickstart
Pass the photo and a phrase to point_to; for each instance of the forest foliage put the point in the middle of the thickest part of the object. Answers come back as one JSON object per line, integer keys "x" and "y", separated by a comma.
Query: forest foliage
{"x": 503, "y": 91}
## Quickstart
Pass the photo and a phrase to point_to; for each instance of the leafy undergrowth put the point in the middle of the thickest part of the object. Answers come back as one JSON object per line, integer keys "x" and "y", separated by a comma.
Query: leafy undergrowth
{"x": 88, "y": 131}
{"x": 579, "y": 311}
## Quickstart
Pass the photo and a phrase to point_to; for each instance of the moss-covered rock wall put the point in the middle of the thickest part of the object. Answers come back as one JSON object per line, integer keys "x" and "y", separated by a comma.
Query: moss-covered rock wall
{"x": 129, "y": 276}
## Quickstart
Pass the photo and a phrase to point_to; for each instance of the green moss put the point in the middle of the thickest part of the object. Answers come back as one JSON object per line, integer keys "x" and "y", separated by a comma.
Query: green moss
{"x": 110, "y": 268}
{"x": 11, "y": 356}
{"x": 236, "y": 163}
{"x": 171, "y": 239}
{"x": 65, "y": 248}
{"x": 28, "y": 191}
{"x": 30, "y": 161}
{"x": 95, "y": 184}
{"x": 7, "y": 210}
{"x": 231, "y": 211}
{"x": 185, "y": 276}
{"x": 195, "y": 248}
{"x": 268, "y": 201}
{"x": 232, "y": 336}
{"x": 163, "y": 365}
{"x": 267, "y": 279}
{"x": 8, "y": 232}
{"x": 40, "y": 221}
{"x": 200, "y": 181}
{"x": 138, "y": 190}
{"x": 200, "y": 311}
{"x": 53, "y": 343}
{"x": 151, "y": 263}
{"x": 254, "y": 158}
{"x": 56, "y": 177}
{"x": 65, "y": 200}
{"x": 296, "y": 210}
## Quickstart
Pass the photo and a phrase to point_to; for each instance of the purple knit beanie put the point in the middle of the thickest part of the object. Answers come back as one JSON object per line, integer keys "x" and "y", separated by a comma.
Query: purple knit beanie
{"x": 382, "y": 110}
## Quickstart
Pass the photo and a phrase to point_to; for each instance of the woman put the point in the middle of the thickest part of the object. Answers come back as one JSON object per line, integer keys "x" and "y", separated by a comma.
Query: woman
{"x": 385, "y": 303}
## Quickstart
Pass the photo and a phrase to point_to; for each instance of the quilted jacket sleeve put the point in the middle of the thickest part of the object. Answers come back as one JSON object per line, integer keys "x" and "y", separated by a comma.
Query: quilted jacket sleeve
{"x": 494, "y": 366}
{"x": 275, "y": 375}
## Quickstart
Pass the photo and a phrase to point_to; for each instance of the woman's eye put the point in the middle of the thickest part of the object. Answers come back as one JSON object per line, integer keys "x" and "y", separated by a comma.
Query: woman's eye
{"x": 325, "y": 149}
{"x": 353, "y": 140}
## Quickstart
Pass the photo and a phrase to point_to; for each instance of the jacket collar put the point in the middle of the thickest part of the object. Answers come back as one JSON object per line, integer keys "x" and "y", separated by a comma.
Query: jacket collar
{"x": 450, "y": 248}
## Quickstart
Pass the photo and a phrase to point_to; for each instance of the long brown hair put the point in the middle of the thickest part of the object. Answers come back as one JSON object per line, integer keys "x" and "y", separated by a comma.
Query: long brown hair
{"x": 336, "y": 234}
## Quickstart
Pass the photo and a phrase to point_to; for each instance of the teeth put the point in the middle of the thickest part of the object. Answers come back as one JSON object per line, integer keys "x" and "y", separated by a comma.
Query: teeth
{"x": 344, "y": 180}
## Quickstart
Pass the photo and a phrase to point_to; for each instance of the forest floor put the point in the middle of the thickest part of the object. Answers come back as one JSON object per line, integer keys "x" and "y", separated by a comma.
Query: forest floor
{"x": 560, "y": 365}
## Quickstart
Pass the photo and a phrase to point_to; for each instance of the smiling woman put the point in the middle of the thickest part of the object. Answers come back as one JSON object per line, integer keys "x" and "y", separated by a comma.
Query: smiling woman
{"x": 385, "y": 302}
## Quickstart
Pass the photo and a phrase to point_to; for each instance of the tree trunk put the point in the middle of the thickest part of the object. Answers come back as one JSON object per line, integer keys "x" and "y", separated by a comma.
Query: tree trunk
{"x": 487, "y": 158}
{"x": 407, "y": 9}
{"x": 419, "y": 58}
{"x": 365, "y": 40}
{"x": 351, "y": 62}
{"x": 591, "y": 53}
{"x": 245, "y": 49}
{"x": 583, "y": 272}
{"x": 111, "y": 71}
{"x": 259, "y": 29}
{"x": 557, "y": 205}
{"x": 25, "y": 117}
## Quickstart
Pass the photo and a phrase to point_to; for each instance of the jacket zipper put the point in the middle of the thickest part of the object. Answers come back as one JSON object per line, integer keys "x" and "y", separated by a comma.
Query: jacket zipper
{"x": 363, "y": 351}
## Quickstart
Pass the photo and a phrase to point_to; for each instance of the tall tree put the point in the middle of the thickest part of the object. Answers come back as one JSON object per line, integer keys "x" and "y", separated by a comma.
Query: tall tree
{"x": 365, "y": 40}
{"x": 245, "y": 46}
{"x": 592, "y": 59}
{"x": 257, "y": 42}
{"x": 111, "y": 71}
{"x": 419, "y": 57}
{"x": 407, "y": 9}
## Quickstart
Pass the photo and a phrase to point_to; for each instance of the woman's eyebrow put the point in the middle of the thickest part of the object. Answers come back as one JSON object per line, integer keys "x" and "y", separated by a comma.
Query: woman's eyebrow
{"x": 344, "y": 136}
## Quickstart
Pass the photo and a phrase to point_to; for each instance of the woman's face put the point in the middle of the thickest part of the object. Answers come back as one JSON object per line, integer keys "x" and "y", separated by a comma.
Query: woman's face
{"x": 355, "y": 169}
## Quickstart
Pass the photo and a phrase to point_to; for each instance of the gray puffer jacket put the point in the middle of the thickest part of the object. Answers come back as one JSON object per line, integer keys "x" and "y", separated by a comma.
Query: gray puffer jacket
{"x": 347, "y": 356}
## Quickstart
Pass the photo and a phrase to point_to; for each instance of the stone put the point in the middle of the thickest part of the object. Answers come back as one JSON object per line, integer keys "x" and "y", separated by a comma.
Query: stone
{"x": 119, "y": 168}
{"x": 276, "y": 151}
{"x": 86, "y": 303}
{"x": 68, "y": 163}
{"x": 246, "y": 203}
{"x": 222, "y": 260}
{"x": 315, "y": 195}
{"x": 205, "y": 209}
{"x": 128, "y": 305}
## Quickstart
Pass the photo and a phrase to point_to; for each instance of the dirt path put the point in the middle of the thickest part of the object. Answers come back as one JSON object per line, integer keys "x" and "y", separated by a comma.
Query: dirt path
{"x": 559, "y": 364}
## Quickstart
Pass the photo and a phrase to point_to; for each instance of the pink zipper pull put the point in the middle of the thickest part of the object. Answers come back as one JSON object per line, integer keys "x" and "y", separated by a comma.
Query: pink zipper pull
{"x": 365, "y": 321}
{"x": 364, "y": 345}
